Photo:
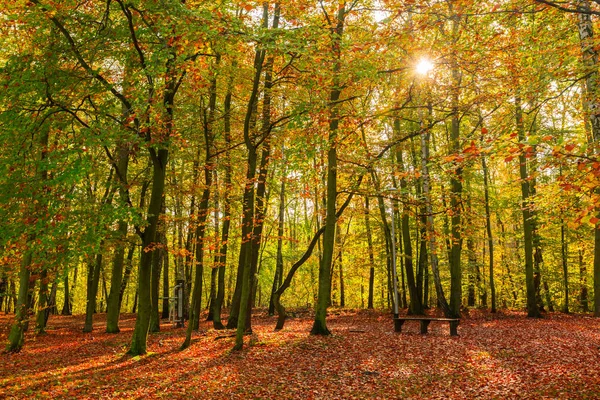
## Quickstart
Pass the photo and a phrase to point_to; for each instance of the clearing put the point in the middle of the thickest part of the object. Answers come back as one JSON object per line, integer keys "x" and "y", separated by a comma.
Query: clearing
{"x": 499, "y": 356}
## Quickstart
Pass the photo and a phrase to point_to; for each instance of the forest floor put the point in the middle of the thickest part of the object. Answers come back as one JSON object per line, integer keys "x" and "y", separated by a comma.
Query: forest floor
{"x": 496, "y": 356}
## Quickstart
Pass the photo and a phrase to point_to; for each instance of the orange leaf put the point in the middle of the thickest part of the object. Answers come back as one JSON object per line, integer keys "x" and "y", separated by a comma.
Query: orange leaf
{"x": 569, "y": 147}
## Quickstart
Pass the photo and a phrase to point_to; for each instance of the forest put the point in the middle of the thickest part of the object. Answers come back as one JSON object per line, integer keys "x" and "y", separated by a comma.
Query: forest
{"x": 238, "y": 168}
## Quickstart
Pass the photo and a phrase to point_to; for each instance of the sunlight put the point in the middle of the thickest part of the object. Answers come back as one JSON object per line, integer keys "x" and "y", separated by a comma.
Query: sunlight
{"x": 424, "y": 66}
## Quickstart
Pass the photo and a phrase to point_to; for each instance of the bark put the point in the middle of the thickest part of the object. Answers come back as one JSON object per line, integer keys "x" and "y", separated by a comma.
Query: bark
{"x": 51, "y": 307}
{"x": 324, "y": 293}
{"x": 93, "y": 280}
{"x": 278, "y": 277}
{"x": 488, "y": 227}
{"x": 564, "y": 254}
{"x": 532, "y": 307}
{"x": 165, "y": 274}
{"x": 113, "y": 301}
{"x": 43, "y": 299}
{"x": 155, "y": 280}
{"x": 253, "y": 244}
{"x": 66, "y": 309}
{"x": 186, "y": 274}
{"x": 388, "y": 240}
{"x": 430, "y": 225}
{"x": 244, "y": 261}
{"x": 127, "y": 273}
{"x": 414, "y": 306}
{"x": 217, "y": 324}
{"x": 142, "y": 323}
{"x": 16, "y": 337}
{"x": 592, "y": 107}
{"x": 203, "y": 209}
{"x": 583, "y": 291}
{"x": 456, "y": 179}
{"x": 371, "y": 254}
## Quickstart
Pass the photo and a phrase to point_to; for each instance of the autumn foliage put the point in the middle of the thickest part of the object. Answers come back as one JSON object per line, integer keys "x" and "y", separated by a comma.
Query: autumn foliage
{"x": 500, "y": 356}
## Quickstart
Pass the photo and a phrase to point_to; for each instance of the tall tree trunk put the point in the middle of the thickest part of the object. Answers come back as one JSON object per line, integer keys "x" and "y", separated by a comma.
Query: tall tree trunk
{"x": 371, "y": 254}
{"x": 165, "y": 274}
{"x": 245, "y": 255}
{"x": 414, "y": 306}
{"x": 430, "y": 226}
{"x": 261, "y": 202}
{"x": 217, "y": 324}
{"x": 215, "y": 268}
{"x": 142, "y": 322}
{"x": 455, "y": 179}
{"x": 127, "y": 273}
{"x": 251, "y": 250}
{"x": 472, "y": 275}
{"x": 592, "y": 107}
{"x": 51, "y": 307}
{"x": 203, "y": 209}
{"x": 532, "y": 307}
{"x": 488, "y": 227}
{"x": 278, "y": 277}
{"x": 583, "y": 291}
{"x": 155, "y": 279}
{"x": 66, "y": 309}
{"x": 16, "y": 337}
{"x": 324, "y": 294}
{"x": 340, "y": 262}
{"x": 93, "y": 280}
{"x": 43, "y": 298}
{"x": 113, "y": 308}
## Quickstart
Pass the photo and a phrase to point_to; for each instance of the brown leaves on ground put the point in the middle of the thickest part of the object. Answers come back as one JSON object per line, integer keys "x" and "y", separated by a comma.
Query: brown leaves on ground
{"x": 503, "y": 356}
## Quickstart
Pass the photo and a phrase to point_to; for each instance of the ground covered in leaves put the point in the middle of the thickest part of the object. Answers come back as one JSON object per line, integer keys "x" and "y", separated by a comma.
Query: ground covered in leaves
{"x": 500, "y": 356}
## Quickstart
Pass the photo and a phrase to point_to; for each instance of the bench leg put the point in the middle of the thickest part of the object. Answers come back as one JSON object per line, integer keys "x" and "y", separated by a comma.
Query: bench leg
{"x": 424, "y": 325}
{"x": 453, "y": 328}
{"x": 398, "y": 325}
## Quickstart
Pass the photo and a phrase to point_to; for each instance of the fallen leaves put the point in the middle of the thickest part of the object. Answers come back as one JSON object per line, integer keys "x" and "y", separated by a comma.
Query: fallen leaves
{"x": 503, "y": 356}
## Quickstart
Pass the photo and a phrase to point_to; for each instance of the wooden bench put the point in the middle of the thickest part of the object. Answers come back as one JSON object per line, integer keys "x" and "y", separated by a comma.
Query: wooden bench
{"x": 399, "y": 321}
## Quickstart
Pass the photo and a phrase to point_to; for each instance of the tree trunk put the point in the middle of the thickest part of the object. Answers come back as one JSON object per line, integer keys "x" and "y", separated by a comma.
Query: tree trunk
{"x": 455, "y": 179}
{"x": 16, "y": 337}
{"x": 203, "y": 209}
{"x": 93, "y": 281}
{"x": 42, "y": 303}
{"x": 414, "y": 306}
{"x": 113, "y": 308}
{"x": 165, "y": 274}
{"x": 564, "y": 254}
{"x": 66, "y": 310}
{"x": 592, "y": 107}
{"x": 430, "y": 226}
{"x": 583, "y": 293}
{"x": 142, "y": 322}
{"x": 371, "y": 254}
{"x": 488, "y": 227}
{"x": 249, "y": 252}
{"x": 278, "y": 278}
{"x": 217, "y": 324}
{"x": 532, "y": 307}
{"x": 127, "y": 274}
{"x": 155, "y": 280}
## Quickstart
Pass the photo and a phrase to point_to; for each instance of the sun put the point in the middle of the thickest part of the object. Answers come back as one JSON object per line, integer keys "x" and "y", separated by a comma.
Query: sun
{"x": 424, "y": 66}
